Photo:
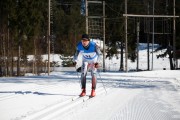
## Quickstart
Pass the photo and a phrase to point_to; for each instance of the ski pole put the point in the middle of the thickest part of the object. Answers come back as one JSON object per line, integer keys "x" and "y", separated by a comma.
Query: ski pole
{"x": 77, "y": 72}
{"x": 102, "y": 82}
{"x": 78, "y": 76}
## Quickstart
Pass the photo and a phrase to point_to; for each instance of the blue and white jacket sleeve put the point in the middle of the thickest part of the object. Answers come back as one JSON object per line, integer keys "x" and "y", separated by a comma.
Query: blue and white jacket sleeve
{"x": 75, "y": 58}
{"x": 98, "y": 51}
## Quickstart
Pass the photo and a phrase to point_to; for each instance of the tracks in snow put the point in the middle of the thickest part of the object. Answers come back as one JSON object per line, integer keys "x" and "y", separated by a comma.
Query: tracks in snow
{"x": 36, "y": 88}
{"x": 57, "y": 109}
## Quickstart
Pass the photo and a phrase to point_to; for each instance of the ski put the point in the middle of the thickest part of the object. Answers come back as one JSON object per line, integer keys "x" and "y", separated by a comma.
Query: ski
{"x": 87, "y": 98}
{"x": 84, "y": 98}
{"x": 75, "y": 98}
{"x": 91, "y": 96}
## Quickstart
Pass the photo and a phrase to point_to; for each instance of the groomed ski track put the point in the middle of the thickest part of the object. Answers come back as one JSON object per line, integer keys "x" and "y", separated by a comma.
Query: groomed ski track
{"x": 127, "y": 98}
{"x": 56, "y": 111}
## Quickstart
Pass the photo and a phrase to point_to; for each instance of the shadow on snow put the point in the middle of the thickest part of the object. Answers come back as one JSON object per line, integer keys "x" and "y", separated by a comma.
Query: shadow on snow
{"x": 137, "y": 84}
{"x": 30, "y": 92}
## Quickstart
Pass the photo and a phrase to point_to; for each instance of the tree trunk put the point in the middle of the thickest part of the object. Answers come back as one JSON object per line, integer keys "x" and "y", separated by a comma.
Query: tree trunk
{"x": 121, "y": 62}
{"x": 169, "y": 50}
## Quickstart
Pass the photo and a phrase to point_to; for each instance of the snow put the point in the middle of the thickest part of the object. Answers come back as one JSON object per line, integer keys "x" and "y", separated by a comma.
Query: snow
{"x": 143, "y": 95}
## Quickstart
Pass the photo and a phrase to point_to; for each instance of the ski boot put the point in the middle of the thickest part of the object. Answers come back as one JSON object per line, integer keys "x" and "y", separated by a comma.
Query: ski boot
{"x": 93, "y": 93}
{"x": 83, "y": 93}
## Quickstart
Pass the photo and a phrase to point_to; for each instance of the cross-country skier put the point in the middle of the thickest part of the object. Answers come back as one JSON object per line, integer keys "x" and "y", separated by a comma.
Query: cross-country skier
{"x": 91, "y": 56}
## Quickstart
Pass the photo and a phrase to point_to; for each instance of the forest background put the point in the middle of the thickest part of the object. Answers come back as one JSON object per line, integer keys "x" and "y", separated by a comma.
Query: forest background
{"x": 24, "y": 29}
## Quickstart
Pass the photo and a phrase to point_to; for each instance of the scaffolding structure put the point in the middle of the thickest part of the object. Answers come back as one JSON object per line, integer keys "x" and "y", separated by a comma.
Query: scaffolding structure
{"x": 95, "y": 27}
{"x": 95, "y": 24}
{"x": 153, "y": 16}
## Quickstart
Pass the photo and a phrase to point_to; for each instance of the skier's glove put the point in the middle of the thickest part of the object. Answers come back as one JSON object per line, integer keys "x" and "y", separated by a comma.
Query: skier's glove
{"x": 96, "y": 65}
{"x": 74, "y": 63}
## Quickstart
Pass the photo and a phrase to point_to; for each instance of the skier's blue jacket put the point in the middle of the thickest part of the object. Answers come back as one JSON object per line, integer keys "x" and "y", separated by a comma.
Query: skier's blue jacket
{"x": 89, "y": 53}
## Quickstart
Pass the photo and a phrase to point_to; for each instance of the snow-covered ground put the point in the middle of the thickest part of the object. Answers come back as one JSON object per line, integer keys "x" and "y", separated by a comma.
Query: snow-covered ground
{"x": 148, "y": 95}
{"x": 145, "y": 95}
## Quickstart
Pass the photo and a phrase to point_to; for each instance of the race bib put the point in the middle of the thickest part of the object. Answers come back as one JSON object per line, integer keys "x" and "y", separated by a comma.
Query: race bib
{"x": 91, "y": 55}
